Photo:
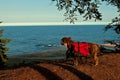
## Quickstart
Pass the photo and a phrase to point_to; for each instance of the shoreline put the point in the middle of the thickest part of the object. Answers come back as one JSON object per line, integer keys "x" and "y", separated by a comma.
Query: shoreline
{"x": 51, "y": 54}
{"x": 42, "y": 53}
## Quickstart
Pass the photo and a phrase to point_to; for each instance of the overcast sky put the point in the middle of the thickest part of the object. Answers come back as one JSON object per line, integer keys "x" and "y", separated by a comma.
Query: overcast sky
{"x": 35, "y": 11}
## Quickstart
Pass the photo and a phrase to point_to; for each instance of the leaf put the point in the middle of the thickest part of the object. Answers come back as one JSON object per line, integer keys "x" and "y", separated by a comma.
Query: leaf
{"x": 1, "y": 32}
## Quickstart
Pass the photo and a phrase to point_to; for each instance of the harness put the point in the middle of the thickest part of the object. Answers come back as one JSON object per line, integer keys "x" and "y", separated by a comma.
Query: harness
{"x": 81, "y": 47}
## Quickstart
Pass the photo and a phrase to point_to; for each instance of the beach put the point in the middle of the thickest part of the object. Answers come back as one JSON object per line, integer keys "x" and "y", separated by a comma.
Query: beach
{"x": 36, "y": 66}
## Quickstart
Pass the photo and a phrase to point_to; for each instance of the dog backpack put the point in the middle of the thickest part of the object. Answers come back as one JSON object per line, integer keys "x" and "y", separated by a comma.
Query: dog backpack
{"x": 81, "y": 47}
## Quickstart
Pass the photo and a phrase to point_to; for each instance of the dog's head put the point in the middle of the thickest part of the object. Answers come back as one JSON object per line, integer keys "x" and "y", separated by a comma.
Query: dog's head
{"x": 66, "y": 41}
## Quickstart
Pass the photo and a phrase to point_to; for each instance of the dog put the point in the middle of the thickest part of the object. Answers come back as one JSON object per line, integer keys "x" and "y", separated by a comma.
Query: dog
{"x": 81, "y": 48}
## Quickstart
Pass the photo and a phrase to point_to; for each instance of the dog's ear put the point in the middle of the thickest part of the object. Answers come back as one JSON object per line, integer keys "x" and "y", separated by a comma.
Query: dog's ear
{"x": 66, "y": 39}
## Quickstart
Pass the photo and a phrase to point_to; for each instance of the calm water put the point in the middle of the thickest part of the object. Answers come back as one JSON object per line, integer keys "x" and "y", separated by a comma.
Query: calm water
{"x": 28, "y": 39}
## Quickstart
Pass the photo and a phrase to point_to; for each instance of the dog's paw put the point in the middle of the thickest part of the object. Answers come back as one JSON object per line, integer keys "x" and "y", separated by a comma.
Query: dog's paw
{"x": 95, "y": 64}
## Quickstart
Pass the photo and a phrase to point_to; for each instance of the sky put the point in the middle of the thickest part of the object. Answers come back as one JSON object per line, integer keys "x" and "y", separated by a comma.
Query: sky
{"x": 41, "y": 11}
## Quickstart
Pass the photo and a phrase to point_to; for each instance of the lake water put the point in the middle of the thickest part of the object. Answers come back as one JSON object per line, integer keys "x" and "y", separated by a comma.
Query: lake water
{"x": 28, "y": 39}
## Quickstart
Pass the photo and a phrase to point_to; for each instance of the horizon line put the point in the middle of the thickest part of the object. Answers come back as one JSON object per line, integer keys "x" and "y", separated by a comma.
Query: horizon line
{"x": 52, "y": 23}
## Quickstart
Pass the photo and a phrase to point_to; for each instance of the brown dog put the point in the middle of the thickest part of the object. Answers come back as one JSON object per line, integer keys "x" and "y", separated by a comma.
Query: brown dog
{"x": 83, "y": 48}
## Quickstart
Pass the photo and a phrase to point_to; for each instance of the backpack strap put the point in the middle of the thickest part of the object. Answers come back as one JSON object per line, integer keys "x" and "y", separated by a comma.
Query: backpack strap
{"x": 79, "y": 47}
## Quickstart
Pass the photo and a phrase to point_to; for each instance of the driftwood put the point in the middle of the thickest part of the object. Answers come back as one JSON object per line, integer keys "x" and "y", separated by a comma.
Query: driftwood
{"x": 111, "y": 47}
{"x": 108, "y": 45}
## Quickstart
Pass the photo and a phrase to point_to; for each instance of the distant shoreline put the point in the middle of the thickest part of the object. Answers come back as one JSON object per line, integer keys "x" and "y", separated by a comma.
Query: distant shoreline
{"x": 53, "y": 23}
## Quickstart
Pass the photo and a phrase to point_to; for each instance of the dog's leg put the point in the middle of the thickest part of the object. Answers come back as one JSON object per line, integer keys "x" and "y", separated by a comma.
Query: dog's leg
{"x": 86, "y": 59}
{"x": 95, "y": 50}
{"x": 80, "y": 59}
{"x": 96, "y": 59}
{"x": 67, "y": 54}
{"x": 76, "y": 59}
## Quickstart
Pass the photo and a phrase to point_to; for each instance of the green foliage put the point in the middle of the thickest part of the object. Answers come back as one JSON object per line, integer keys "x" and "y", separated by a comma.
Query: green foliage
{"x": 115, "y": 25}
{"x": 115, "y": 3}
{"x": 3, "y": 49}
{"x": 88, "y": 9}
{"x": 1, "y": 31}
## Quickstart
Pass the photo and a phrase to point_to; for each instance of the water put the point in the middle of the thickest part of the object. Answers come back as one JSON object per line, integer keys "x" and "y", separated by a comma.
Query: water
{"x": 28, "y": 39}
